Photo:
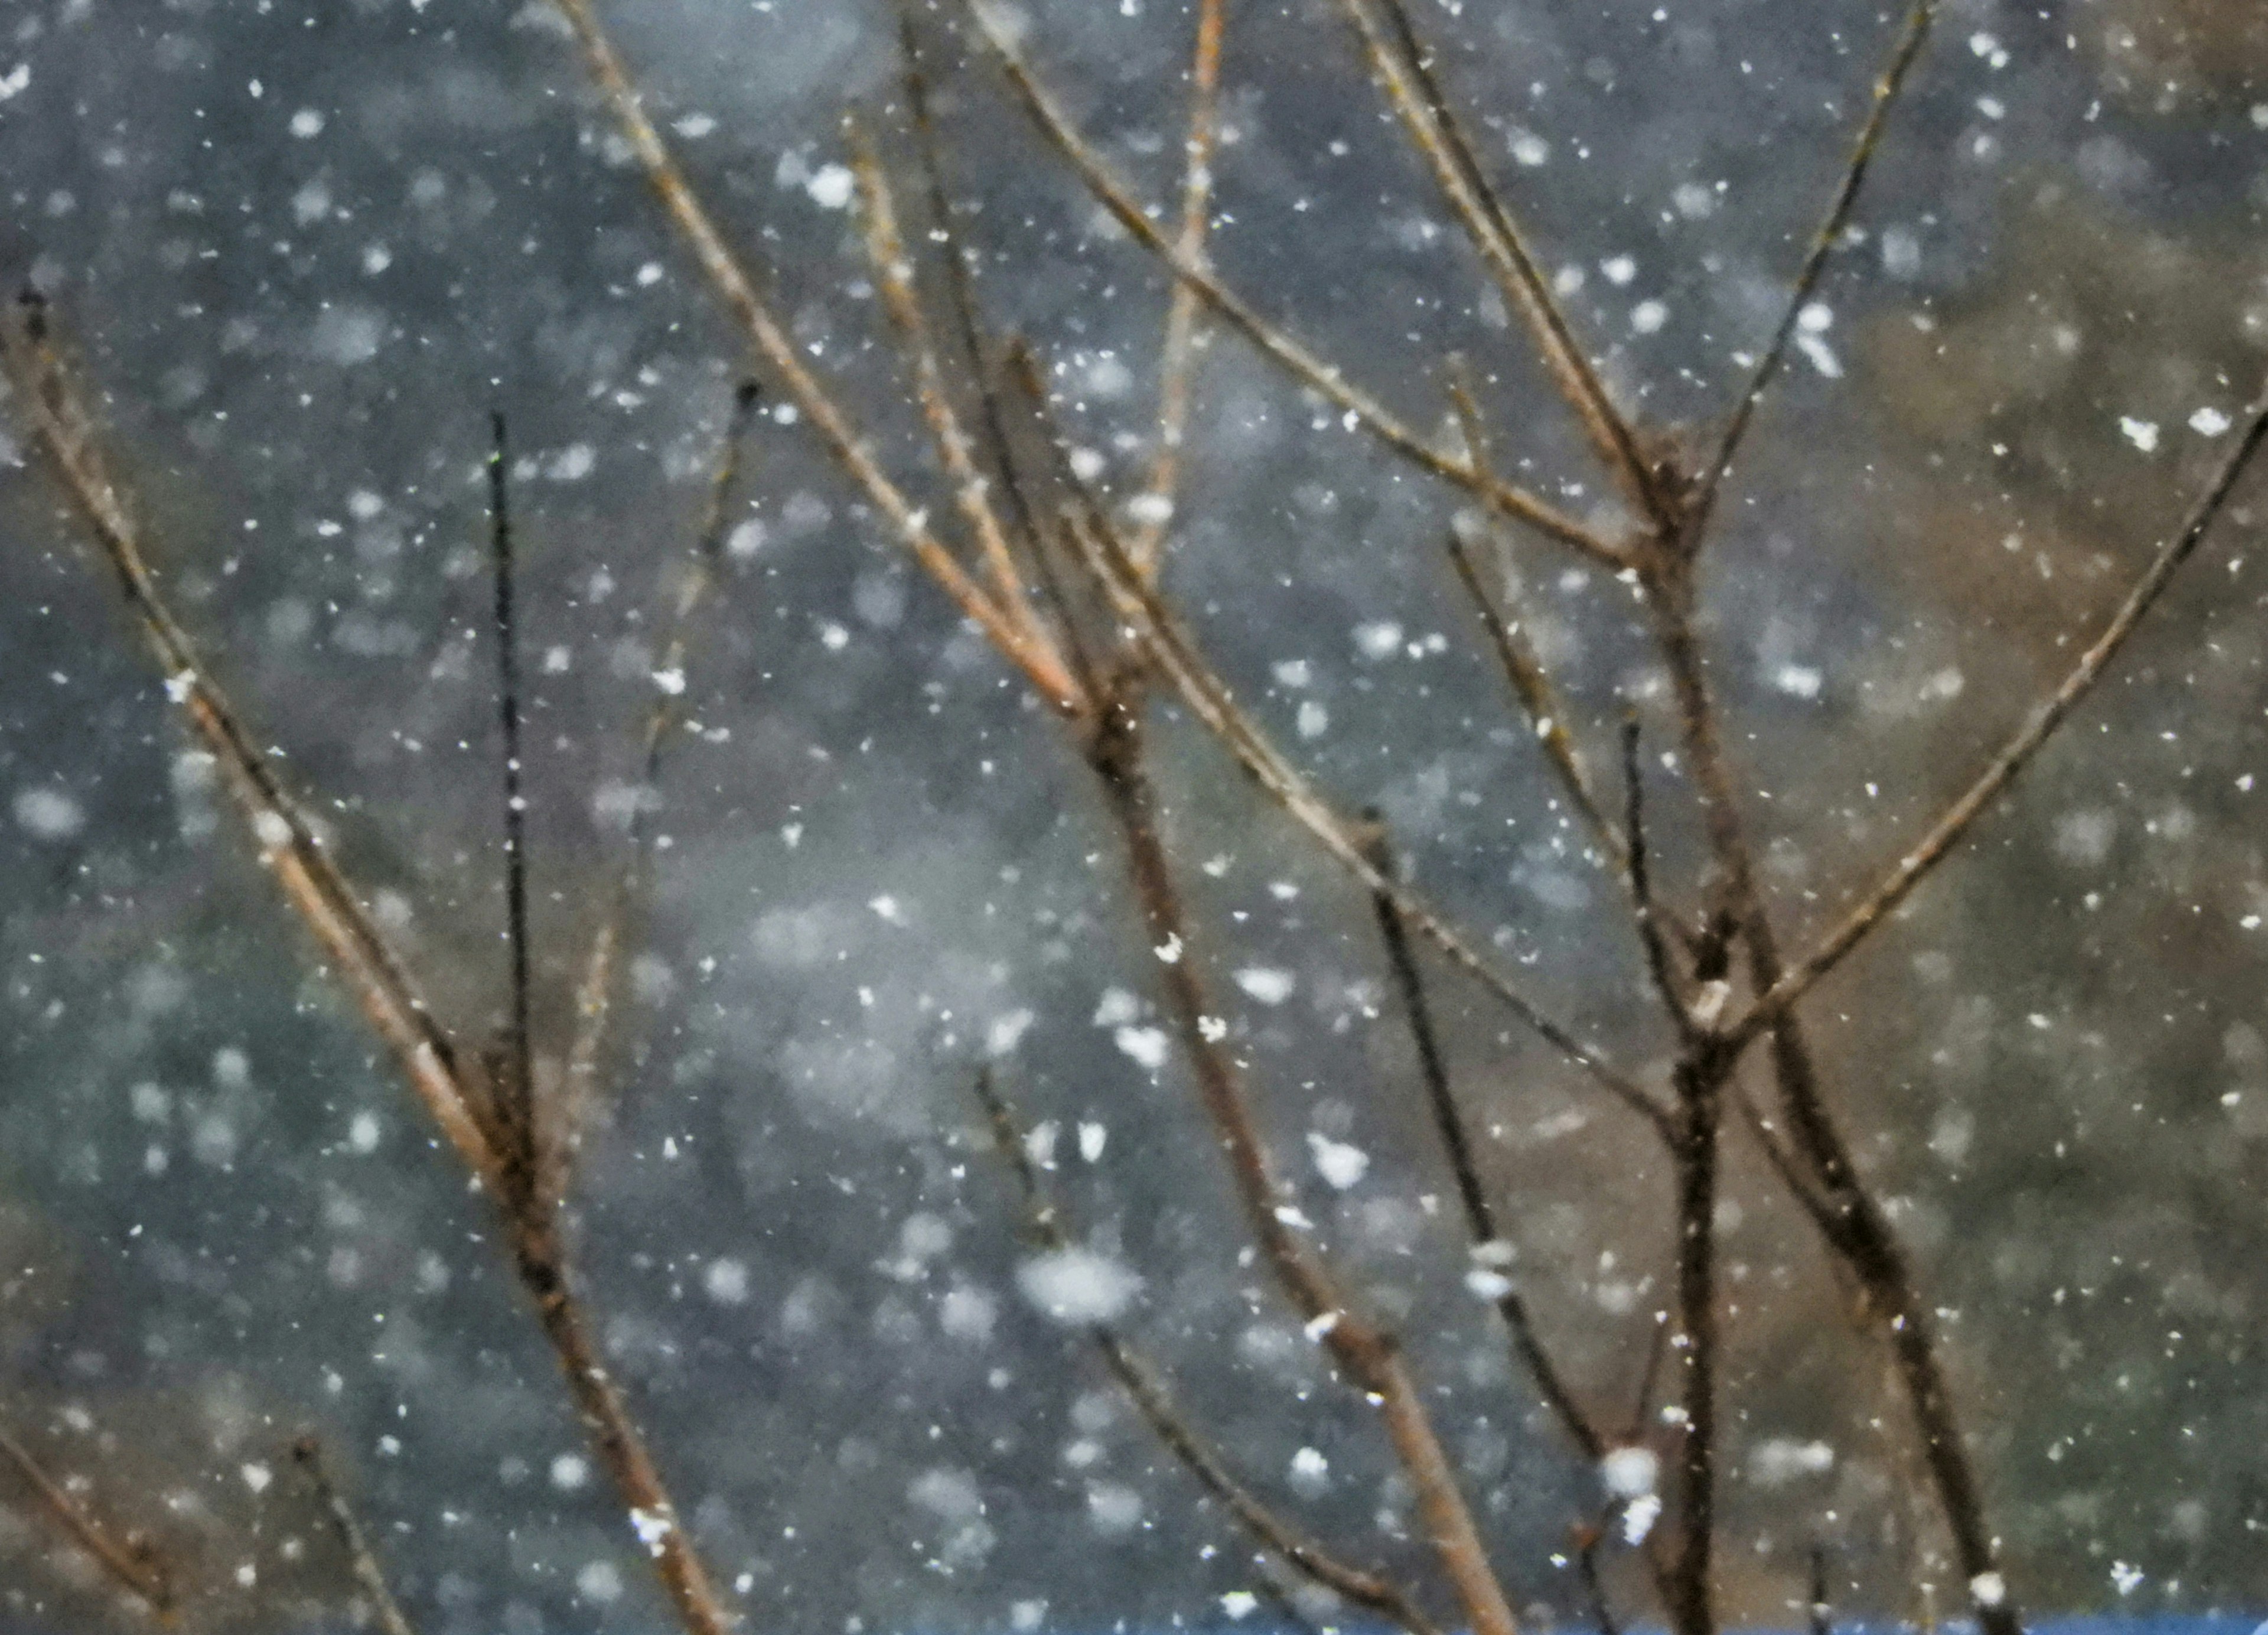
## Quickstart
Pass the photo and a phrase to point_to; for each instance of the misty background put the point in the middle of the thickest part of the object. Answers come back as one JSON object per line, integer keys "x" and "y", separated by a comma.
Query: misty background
{"x": 302, "y": 251}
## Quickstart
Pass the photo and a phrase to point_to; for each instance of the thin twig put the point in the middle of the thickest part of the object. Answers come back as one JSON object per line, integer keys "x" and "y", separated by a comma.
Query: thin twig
{"x": 1211, "y": 702}
{"x": 1370, "y": 1358}
{"x": 1310, "y": 370}
{"x": 308, "y": 1452}
{"x": 1589, "y": 1537}
{"x": 514, "y": 1090}
{"x": 132, "y": 1562}
{"x": 894, "y": 275}
{"x": 1018, "y": 640}
{"x": 1457, "y": 1143}
{"x": 1145, "y": 1386}
{"x": 1893, "y": 80}
{"x": 1177, "y": 357}
{"x": 311, "y": 881}
{"x": 1531, "y": 684}
{"x": 1402, "y": 68}
{"x": 1866, "y": 1240}
{"x": 1821, "y": 1610}
{"x": 595, "y": 991}
{"x": 1947, "y": 831}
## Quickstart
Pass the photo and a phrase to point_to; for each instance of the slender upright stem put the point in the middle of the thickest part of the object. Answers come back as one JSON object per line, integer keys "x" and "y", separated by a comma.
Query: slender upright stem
{"x": 1456, "y": 1144}
{"x": 1700, "y": 1087}
{"x": 518, "y": 1091}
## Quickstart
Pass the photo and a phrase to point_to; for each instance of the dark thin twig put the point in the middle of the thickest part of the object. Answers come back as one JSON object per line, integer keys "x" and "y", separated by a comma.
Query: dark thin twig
{"x": 1658, "y": 962}
{"x": 1589, "y": 1537}
{"x": 1456, "y": 1144}
{"x": 1820, "y": 1609}
{"x": 132, "y": 1562}
{"x": 1893, "y": 80}
{"x": 515, "y": 1096}
{"x": 1947, "y": 832}
{"x": 308, "y": 1452}
{"x": 594, "y": 991}
{"x": 316, "y": 889}
{"x": 1700, "y": 1084}
{"x": 1146, "y": 1387}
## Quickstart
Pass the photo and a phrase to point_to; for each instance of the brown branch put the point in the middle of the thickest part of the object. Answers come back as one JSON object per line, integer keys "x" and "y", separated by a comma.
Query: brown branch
{"x": 893, "y": 276}
{"x": 1893, "y": 79}
{"x": 1177, "y": 359}
{"x": 314, "y": 887}
{"x": 386, "y": 1611}
{"x": 1456, "y": 1144}
{"x": 1403, "y": 69}
{"x": 1211, "y": 702}
{"x": 132, "y": 1562}
{"x": 1369, "y": 1358}
{"x": 1146, "y": 1387}
{"x": 1016, "y": 638}
{"x": 594, "y": 991}
{"x": 1239, "y": 314}
{"x": 1944, "y": 835}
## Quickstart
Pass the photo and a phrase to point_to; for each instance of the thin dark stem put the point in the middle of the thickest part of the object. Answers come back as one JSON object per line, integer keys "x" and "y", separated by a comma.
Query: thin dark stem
{"x": 1820, "y": 1609}
{"x": 1902, "y": 56}
{"x": 1864, "y": 1236}
{"x": 1240, "y": 315}
{"x": 1457, "y": 1143}
{"x": 1587, "y": 1567}
{"x": 131, "y": 1563}
{"x": 1403, "y": 67}
{"x": 519, "y": 1090}
{"x": 1700, "y": 1100}
{"x": 1532, "y": 686}
{"x": 385, "y": 1610}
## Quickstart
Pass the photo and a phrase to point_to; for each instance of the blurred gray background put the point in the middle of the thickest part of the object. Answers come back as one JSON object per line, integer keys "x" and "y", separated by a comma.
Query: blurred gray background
{"x": 303, "y": 250}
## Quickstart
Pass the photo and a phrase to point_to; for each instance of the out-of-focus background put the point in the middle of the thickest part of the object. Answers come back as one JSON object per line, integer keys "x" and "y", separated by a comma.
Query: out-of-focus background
{"x": 303, "y": 249}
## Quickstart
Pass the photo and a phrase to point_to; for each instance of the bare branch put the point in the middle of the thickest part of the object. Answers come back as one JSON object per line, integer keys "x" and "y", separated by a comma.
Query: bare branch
{"x": 1893, "y": 79}
{"x": 308, "y": 1452}
{"x": 1014, "y": 638}
{"x": 1947, "y": 832}
{"x": 1658, "y": 962}
{"x": 1403, "y": 69}
{"x": 1240, "y": 315}
{"x": 311, "y": 882}
{"x": 1177, "y": 359}
{"x": 1369, "y": 1358}
{"x": 132, "y": 1562}
{"x": 1146, "y": 1387}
